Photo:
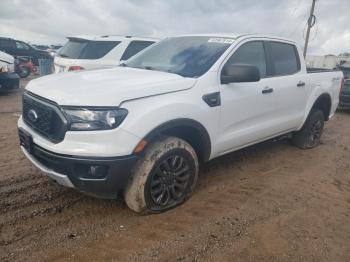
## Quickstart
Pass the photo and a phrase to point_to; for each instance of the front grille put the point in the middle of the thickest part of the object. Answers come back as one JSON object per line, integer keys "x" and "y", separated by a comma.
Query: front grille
{"x": 44, "y": 117}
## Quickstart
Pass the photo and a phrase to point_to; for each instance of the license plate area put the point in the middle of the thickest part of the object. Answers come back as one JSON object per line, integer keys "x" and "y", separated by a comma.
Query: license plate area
{"x": 25, "y": 140}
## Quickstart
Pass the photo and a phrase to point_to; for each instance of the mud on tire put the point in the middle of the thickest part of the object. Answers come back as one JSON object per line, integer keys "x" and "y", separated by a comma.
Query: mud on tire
{"x": 310, "y": 134}
{"x": 163, "y": 178}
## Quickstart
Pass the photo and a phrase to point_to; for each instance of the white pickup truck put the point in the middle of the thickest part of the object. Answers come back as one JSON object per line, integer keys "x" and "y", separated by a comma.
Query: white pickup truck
{"x": 142, "y": 128}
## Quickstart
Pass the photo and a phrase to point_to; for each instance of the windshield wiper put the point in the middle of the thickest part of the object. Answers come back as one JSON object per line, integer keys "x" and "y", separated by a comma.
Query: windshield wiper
{"x": 123, "y": 65}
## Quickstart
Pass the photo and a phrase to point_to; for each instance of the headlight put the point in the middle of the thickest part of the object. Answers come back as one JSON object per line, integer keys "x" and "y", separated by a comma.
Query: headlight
{"x": 88, "y": 119}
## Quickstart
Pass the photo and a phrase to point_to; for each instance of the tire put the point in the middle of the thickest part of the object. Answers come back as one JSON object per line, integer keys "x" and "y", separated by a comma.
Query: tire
{"x": 163, "y": 178}
{"x": 23, "y": 71}
{"x": 310, "y": 134}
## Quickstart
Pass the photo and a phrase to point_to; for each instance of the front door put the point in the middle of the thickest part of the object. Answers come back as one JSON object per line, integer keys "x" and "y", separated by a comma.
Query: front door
{"x": 247, "y": 109}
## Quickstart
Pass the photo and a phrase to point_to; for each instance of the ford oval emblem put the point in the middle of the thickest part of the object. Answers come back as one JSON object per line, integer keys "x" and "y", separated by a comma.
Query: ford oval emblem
{"x": 32, "y": 115}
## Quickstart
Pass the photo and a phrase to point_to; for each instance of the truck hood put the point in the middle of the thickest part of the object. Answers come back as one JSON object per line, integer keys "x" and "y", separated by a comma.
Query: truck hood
{"x": 107, "y": 87}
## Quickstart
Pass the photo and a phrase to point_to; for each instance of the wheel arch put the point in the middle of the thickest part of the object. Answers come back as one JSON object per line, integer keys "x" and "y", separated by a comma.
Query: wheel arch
{"x": 324, "y": 103}
{"x": 189, "y": 130}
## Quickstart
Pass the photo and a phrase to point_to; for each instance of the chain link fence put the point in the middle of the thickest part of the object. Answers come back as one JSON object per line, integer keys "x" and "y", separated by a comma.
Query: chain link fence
{"x": 45, "y": 67}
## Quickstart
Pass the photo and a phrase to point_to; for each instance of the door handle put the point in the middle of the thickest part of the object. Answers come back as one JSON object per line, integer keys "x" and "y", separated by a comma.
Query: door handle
{"x": 301, "y": 84}
{"x": 267, "y": 90}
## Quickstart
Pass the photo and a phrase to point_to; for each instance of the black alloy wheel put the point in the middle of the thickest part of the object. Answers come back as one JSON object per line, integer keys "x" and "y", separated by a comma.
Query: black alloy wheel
{"x": 169, "y": 181}
{"x": 164, "y": 176}
{"x": 315, "y": 133}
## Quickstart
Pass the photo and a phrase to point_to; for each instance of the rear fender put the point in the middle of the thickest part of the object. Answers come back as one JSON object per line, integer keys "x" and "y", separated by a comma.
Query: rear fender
{"x": 318, "y": 92}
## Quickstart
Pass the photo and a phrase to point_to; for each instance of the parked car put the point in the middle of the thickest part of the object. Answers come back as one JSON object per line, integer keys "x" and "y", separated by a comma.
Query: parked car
{"x": 184, "y": 100}
{"x": 9, "y": 80}
{"x": 18, "y": 48}
{"x": 345, "y": 94}
{"x": 94, "y": 52}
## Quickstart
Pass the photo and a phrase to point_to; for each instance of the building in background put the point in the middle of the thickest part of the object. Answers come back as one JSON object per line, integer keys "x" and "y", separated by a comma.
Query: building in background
{"x": 328, "y": 61}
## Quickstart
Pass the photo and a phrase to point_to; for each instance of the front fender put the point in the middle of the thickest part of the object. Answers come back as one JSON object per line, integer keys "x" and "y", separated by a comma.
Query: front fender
{"x": 149, "y": 113}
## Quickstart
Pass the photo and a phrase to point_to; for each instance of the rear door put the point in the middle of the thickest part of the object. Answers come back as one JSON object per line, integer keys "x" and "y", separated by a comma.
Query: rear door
{"x": 289, "y": 84}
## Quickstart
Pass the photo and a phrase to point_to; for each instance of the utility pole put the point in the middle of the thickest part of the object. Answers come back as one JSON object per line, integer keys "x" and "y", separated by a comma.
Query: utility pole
{"x": 310, "y": 23}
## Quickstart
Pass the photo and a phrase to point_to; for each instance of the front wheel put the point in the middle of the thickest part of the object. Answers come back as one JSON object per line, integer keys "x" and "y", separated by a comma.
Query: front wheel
{"x": 163, "y": 178}
{"x": 310, "y": 134}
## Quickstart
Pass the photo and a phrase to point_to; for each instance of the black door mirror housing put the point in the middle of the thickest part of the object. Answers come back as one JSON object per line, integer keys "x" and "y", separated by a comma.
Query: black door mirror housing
{"x": 240, "y": 73}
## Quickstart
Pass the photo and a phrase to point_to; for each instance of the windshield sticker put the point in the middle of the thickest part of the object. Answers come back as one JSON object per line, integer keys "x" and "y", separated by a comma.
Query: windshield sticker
{"x": 221, "y": 40}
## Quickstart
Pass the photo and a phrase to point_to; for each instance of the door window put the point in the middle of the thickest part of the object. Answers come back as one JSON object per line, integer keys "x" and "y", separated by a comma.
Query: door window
{"x": 252, "y": 53}
{"x": 22, "y": 46}
{"x": 284, "y": 58}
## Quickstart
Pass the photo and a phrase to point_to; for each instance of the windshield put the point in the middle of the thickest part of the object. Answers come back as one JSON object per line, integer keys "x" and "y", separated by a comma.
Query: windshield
{"x": 188, "y": 56}
{"x": 85, "y": 49}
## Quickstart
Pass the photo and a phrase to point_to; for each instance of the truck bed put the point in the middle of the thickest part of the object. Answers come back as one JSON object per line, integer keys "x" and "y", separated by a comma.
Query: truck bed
{"x": 311, "y": 70}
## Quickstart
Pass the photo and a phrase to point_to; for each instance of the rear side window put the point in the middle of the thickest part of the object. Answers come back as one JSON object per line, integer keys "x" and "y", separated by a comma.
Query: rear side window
{"x": 284, "y": 58}
{"x": 6, "y": 43}
{"x": 21, "y": 45}
{"x": 134, "y": 47}
{"x": 252, "y": 53}
{"x": 87, "y": 49}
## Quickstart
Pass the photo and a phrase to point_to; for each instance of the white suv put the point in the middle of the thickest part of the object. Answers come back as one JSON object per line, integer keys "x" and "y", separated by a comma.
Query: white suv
{"x": 142, "y": 128}
{"x": 94, "y": 52}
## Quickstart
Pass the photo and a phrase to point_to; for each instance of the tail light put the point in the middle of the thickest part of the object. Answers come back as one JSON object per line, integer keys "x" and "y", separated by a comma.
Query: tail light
{"x": 75, "y": 68}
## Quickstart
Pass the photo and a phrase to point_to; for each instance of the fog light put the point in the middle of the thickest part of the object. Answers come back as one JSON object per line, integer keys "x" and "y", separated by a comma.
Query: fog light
{"x": 97, "y": 171}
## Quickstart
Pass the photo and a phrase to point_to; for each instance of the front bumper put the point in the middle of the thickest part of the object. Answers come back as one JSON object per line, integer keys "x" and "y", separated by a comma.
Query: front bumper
{"x": 74, "y": 171}
{"x": 9, "y": 81}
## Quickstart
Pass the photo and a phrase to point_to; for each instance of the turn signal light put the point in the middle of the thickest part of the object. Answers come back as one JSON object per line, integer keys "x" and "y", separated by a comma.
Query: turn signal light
{"x": 140, "y": 146}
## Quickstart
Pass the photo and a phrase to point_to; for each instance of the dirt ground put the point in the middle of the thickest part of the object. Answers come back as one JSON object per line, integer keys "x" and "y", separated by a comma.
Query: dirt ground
{"x": 270, "y": 202}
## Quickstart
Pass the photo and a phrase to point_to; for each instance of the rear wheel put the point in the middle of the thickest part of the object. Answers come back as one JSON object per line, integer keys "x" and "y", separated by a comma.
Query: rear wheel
{"x": 163, "y": 178}
{"x": 310, "y": 134}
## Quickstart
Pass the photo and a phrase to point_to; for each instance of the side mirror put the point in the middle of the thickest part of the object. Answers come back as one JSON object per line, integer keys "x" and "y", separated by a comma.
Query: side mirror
{"x": 240, "y": 73}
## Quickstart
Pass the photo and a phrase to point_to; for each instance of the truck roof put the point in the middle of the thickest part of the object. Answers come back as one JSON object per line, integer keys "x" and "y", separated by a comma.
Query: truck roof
{"x": 236, "y": 36}
{"x": 111, "y": 37}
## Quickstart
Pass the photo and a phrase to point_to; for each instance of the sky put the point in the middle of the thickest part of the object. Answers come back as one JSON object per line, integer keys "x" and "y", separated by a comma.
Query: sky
{"x": 50, "y": 21}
